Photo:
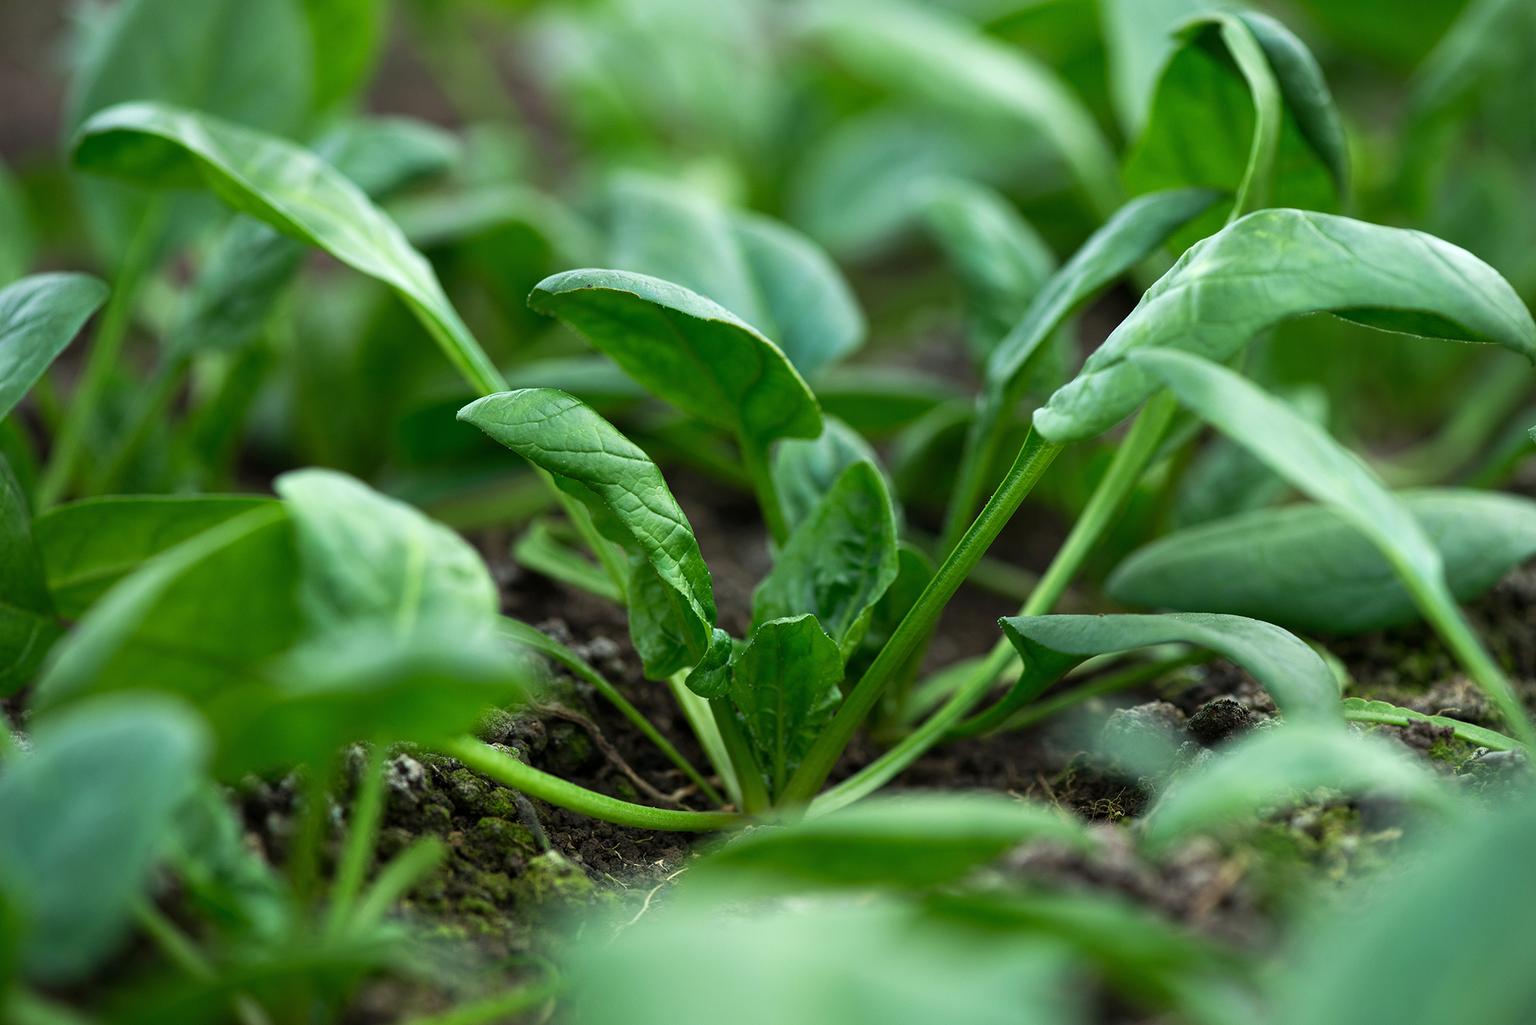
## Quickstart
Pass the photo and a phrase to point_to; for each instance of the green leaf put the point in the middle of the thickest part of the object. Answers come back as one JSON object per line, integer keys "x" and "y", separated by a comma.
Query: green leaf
{"x": 1277, "y": 264}
{"x": 917, "y": 840}
{"x": 287, "y": 187}
{"x": 1139, "y": 37}
{"x": 364, "y": 681}
{"x": 17, "y": 245}
{"x": 687, "y": 350}
{"x": 90, "y": 545}
{"x": 251, "y": 263}
{"x": 369, "y": 559}
{"x": 870, "y": 962}
{"x": 804, "y": 469}
{"x": 1278, "y": 766}
{"x": 1000, "y": 259}
{"x": 1242, "y": 106}
{"x": 28, "y": 621}
{"x": 1459, "y": 913}
{"x": 1130, "y": 235}
{"x": 937, "y": 58}
{"x": 766, "y": 273}
{"x": 1300, "y": 682}
{"x": 177, "y": 624}
{"x": 84, "y": 814}
{"x": 626, "y": 491}
{"x": 39, "y": 316}
{"x": 838, "y": 562}
{"x": 877, "y": 401}
{"x": 1385, "y": 713}
{"x": 345, "y": 37}
{"x": 785, "y": 685}
{"x": 1311, "y": 568}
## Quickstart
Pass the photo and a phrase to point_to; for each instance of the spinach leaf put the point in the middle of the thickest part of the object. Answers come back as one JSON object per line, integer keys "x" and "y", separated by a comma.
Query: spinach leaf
{"x": 88, "y": 546}
{"x": 804, "y": 469}
{"x": 39, "y": 316}
{"x": 285, "y": 186}
{"x": 345, "y": 38}
{"x": 785, "y": 684}
{"x": 84, "y": 815}
{"x": 1139, "y": 38}
{"x": 1299, "y": 681}
{"x": 28, "y": 621}
{"x": 917, "y": 840}
{"x": 1388, "y": 714}
{"x": 766, "y": 273}
{"x": 838, "y": 562}
{"x": 672, "y": 606}
{"x": 687, "y": 350}
{"x": 369, "y": 559}
{"x": 1267, "y": 768}
{"x": 1276, "y": 264}
{"x": 1310, "y": 567}
{"x": 1242, "y": 106}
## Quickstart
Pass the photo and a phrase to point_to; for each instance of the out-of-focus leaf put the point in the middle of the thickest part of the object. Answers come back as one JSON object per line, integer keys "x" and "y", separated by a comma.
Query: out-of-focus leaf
{"x": 785, "y": 684}
{"x": 28, "y": 621}
{"x": 1140, "y": 37}
{"x": 39, "y": 316}
{"x": 878, "y": 400}
{"x": 837, "y": 562}
{"x": 16, "y": 241}
{"x": 687, "y": 350}
{"x": 285, "y": 186}
{"x": 918, "y": 840}
{"x": 630, "y": 502}
{"x": 1308, "y": 567}
{"x": 345, "y": 36}
{"x": 88, "y": 546}
{"x": 1276, "y": 264}
{"x": 1385, "y": 713}
{"x": 1272, "y": 767}
{"x": 84, "y": 815}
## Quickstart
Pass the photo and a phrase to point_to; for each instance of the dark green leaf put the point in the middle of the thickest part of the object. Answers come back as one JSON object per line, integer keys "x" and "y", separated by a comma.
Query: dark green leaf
{"x": 838, "y": 561}
{"x": 287, "y": 187}
{"x": 16, "y": 235}
{"x": 345, "y": 37}
{"x": 1309, "y": 567}
{"x": 369, "y": 559}
{"x": 84, "y": 815}
{"x": 1299, "y": 681}
{"x": 1276, "y": 264}
{"x": 910, "y": 841}
{"x": 804, "y": 469}
{"x": 785, "y": 684}
{"x": 39, "y": 316}
{"x": 90, "y": 545}
{"x": 1140, "y": 37}
{"x": 686, "y": 349}
{"x": 1281, "y": 765}
{"x": 625, "y": 490}
{"x": 28, "y": 622}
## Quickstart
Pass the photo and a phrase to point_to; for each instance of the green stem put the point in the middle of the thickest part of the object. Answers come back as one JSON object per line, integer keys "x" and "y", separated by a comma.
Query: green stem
{"x": 578, "y": 667}
{"x": 701, "y": 719}
{"x": 982, "y": 442}
{"x": 754, "y": 459}
{"x": 498, "y": 1008}
{"x": 104, "y": 358}
{"x": 538, "y": 549}
{"x": 754, "y": 793}
{"x": 601, "y": 547}
{"x": 304, "y": 860}
{"x": 552, "y": 789}
{"x": 147, "y": 412}
{"x": 1033, "y": 459}
{"x": 362, "y": 832}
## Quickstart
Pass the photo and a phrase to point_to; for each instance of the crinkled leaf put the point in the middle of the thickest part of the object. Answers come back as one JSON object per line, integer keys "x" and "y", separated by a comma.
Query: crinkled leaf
{"x": 626, "y": 491}
{"x": 84, "y": 815}
{"x": 838, "y": 561}
{"x": 1281, "y": 765}
{"x": 785, "y": 685}
{"x": 286, "y": 186}
{"x": 1295, "y": 676}
{"x": 687, "y": 350}
{"x": 369, "y": 559}
{"x": 940, "y": 59}
{"x": 88, "y": 546}
{"x": 1276, "y": 264}
{"x": 39, "y": 316}
{"x": 766, "y": 273}
{"x": 804, "y": 469}
{"x": 178, "y": 624}
{"x": 918, "y": 840}
{"x": 1000, "y": 259}
{"x": 28, "y": 621}
{"x": 1308, "y": 567}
